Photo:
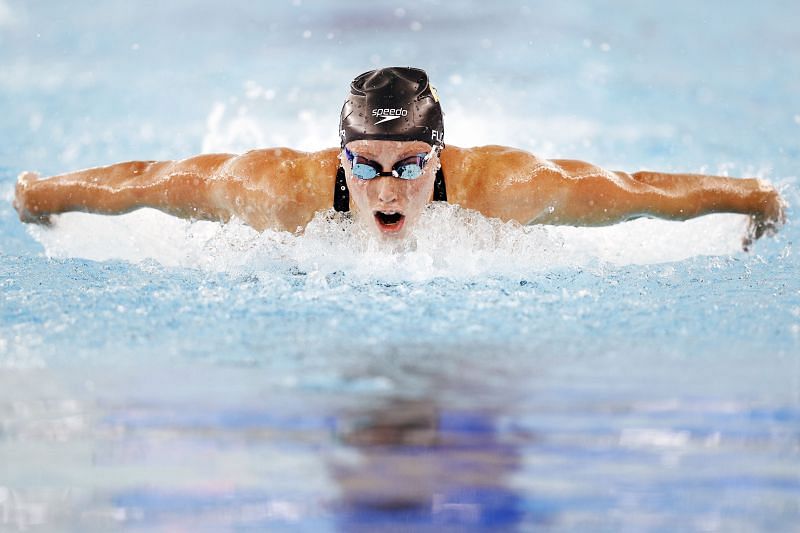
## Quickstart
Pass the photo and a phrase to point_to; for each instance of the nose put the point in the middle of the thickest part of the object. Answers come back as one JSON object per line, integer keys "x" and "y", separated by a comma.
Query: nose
{"x": 387, "y": 190}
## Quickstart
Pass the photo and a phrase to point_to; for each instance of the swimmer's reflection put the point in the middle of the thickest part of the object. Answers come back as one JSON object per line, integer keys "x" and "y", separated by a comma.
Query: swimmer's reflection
{"x": 411, "y": 462}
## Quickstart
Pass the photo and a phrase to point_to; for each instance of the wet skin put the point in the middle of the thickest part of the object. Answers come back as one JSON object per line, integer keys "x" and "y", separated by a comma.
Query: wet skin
{"x": 388, "y": 205}
{"x": 282, "y": 189}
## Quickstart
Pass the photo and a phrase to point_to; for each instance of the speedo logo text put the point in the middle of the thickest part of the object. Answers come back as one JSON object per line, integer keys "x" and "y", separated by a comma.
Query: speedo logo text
{"x": 388, "y": 114}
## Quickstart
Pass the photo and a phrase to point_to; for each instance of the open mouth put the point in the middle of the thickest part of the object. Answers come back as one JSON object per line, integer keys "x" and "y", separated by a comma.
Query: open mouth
{"x": 389, "y": 222}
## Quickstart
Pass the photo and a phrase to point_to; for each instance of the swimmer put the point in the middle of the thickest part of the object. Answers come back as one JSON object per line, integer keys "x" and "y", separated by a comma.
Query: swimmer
{"x": 392, "y": 162}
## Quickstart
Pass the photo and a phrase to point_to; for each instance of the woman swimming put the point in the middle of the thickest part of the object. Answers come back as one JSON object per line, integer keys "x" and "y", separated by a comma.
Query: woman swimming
{"x": 391, "y": 163}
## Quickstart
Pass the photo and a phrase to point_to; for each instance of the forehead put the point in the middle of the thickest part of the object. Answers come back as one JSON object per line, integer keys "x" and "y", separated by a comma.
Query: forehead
{"x": 388, "y": 148}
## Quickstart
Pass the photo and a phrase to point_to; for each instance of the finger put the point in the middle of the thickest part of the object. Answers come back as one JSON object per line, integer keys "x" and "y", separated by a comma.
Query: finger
{"x": 759, "y": 230}
{"x": 770, "y": 229}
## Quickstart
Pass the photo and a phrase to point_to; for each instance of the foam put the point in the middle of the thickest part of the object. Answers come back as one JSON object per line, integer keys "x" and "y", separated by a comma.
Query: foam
{"x": 448, "y": 242}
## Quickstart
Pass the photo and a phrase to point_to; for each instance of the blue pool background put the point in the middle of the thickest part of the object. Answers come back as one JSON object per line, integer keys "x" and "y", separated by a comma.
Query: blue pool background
{"x": 158, "y": 374}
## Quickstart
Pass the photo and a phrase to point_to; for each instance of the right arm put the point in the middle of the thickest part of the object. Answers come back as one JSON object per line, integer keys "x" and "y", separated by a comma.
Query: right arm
{"x": 181, "y": 188}
{"x": 273, "y": 188}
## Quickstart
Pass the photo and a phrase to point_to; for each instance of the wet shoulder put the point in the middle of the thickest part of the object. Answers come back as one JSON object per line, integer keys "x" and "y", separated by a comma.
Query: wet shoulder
{"x": 290, "y": 184}
{"x": 268, "y": 165}
{"x": 474, "y": 174}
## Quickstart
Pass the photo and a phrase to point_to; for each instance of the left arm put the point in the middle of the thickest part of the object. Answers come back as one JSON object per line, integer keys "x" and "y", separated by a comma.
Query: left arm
{"x": 537, "y": 191}
{"x": 598, "y": 197}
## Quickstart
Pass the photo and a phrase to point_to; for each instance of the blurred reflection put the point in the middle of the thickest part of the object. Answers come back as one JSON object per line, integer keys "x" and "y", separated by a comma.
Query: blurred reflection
{"x": 414, "y": 463}
{"x": 72, "y": 460}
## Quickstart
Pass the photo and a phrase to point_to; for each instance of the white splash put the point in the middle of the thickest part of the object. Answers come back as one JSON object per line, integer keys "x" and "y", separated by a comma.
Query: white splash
{"x": 238, "y": 128}
{"x": 448, "y": 242}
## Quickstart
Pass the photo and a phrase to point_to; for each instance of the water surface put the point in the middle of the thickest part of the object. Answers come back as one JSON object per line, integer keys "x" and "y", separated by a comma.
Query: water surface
{"x": 158, "y": 374}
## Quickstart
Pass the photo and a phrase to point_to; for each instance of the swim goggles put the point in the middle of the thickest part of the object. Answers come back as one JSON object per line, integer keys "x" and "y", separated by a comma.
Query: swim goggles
{"x": 409, "y": 168}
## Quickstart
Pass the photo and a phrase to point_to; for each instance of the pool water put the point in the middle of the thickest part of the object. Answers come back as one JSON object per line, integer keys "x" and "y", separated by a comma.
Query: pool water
{"x": 161, "y": 374}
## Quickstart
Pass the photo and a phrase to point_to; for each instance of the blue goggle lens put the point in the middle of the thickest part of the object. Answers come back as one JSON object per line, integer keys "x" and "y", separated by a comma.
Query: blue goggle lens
{"x": 364, "y": 171}
{"x": 411, "y": 171}
{"x": 409, "y": 168}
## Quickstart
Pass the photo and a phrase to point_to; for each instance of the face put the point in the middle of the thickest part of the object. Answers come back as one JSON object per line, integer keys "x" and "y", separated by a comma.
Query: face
{"x": 388, "y": 205}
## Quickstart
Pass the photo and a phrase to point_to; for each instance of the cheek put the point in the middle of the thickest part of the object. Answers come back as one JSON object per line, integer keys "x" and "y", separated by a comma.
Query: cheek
{"x": 414, "y": 191}
{"x": 359, "y": 191}
{"x": 419, "y": 191}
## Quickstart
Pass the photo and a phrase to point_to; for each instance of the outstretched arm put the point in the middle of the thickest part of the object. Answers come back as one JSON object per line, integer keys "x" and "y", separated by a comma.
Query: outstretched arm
{"x": 601, "y": 197}
{"x": 182, "y": 188}
{"x": 570, "y": 192}
{"x": 273, "y": 188}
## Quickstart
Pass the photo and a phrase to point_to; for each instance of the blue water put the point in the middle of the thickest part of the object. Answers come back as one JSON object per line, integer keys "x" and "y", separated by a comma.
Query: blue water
{"x": 158, "y": 374}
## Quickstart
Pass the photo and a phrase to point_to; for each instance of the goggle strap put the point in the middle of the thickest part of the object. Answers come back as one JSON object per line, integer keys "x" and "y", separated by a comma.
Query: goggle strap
{"x": 341, "y": 195}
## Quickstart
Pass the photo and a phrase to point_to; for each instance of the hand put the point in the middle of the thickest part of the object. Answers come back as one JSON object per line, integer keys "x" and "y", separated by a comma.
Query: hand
{"x": 21, "y": 200}
{"x": 770, "y": 217}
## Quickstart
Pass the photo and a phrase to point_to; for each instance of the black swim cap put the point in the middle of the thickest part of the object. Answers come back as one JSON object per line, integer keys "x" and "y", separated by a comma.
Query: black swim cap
{"x": 393, "y": 103}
